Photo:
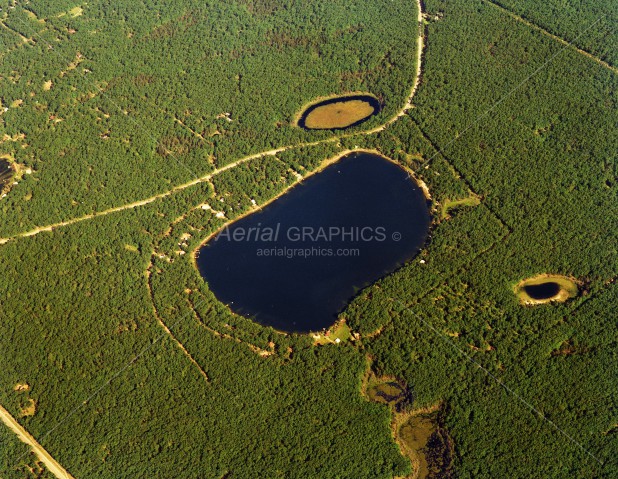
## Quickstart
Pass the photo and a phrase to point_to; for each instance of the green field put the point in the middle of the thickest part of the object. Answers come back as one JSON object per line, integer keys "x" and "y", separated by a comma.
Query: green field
{"x": 157, "y": 109}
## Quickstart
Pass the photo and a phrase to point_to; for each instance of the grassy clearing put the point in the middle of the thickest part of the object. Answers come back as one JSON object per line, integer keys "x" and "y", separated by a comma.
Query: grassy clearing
{"x": 449, "y": 205}
{"x": 32, "y": 16}
{"x": 29, "y": 409}
{"x": 76, "y": 11}
{"x": 338, "y": 333}
{"x": 568, "y": 288}
{"x": 338, "y": 115}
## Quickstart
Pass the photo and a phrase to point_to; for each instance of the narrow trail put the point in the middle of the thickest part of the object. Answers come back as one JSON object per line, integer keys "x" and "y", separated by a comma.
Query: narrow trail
{"x": 52, "y": 465}
{"x": 263, "y": 353}
{"x": 15, "y": 32}
{"x": 401, "y": 112}
{"x": 551, "y": 35}
{"x": 167, "y": 330}
{"x": 146, "y": 201}
{"x": 420, "y": 47}
{"x": 184, "y": 125}
{"x": 156, "y": 197}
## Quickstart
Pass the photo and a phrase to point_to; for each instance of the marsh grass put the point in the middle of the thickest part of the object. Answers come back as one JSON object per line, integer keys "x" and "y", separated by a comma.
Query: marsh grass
{"x": 338, "y": 115}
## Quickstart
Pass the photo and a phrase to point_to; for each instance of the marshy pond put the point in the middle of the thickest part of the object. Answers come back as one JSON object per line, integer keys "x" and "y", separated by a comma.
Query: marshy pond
{"x": 428, "y": 445}
{"x": 295, "y": 264}
{"x": 6, "y": 173}
{"x": 339, "y": 113}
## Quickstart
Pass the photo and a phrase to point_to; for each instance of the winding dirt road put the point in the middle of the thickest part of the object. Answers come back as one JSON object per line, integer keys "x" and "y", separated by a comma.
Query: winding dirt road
{"x": 273, "y": 152}
{"x": 146, "y": 201}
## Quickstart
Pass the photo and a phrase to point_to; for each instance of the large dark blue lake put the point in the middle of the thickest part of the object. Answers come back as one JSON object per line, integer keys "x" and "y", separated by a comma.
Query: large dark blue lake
{"x": 295, "y": 264}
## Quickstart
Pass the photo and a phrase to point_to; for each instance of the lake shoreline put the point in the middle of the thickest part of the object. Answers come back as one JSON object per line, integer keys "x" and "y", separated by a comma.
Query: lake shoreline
{"x": 291, "y": 293}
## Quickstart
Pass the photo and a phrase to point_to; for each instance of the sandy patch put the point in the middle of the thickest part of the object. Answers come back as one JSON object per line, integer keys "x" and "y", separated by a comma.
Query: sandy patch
{"x": 76, "y": 11}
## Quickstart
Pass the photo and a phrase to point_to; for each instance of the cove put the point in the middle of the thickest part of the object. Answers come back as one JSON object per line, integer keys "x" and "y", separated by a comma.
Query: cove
{"x": 339, "y": 113}
{"x": 295, "y": 264}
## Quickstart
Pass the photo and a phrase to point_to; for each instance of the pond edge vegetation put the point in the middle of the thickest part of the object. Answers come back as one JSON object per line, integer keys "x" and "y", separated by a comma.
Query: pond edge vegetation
{"x": 307, "y": 108}
{"x": 569, "y": 288}
{"x": 8, "y": 171}
{"x": 402, "y": 413}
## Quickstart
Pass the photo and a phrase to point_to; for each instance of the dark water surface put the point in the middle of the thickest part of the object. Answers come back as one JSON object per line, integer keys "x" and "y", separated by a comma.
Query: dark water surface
{"x": 363, "y": 203}
{"x": 543, "y": 290}
{"x": 6, "y": 172}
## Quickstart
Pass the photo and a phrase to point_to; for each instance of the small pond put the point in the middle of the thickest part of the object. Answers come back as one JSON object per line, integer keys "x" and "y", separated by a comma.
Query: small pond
{"x": 6, "y": 173}
{"x": 543, "y": 290}
{"x": 546, "y": 288}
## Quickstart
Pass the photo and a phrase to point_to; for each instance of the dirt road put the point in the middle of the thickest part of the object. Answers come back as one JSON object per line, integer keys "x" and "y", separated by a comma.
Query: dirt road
{"x": 209, "y": 176}
{"x": 52, "y": 465}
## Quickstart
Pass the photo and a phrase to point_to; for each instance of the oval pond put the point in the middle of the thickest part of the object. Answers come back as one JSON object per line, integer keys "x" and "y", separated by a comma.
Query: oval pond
{"x": 339, "y": 113}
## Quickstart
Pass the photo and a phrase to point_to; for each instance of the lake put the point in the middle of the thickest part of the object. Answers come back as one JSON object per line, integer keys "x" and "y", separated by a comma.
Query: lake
{"x": 295, "y": 264}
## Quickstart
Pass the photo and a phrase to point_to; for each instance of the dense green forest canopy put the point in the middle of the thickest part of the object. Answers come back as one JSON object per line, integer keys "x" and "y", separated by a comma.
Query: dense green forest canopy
{"x": 132, "y": 116}
{"x": 166, "y": 91}
{"x": 572, "y": 20}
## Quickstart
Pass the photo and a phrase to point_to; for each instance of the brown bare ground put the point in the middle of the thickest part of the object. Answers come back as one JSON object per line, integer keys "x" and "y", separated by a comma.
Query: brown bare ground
{"x": 29, "y": 409}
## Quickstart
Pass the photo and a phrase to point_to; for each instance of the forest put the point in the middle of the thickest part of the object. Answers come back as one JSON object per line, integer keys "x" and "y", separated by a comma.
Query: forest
{"x": 166, "y": 91}
{"x": 137, "y": 370}
{"x": 570, "y": 22}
